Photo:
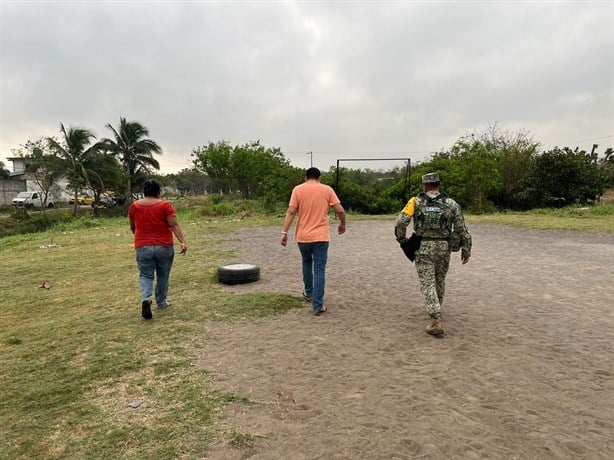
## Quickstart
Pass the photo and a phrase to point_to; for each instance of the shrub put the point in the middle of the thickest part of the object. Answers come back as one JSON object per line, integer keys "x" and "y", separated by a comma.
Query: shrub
{"x": 217, "y": 205}
{"x": 21, "y": 222}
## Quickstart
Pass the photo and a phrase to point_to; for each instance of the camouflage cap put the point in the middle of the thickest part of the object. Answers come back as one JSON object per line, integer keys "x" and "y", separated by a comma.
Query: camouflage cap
{"x": 430, "y": 178}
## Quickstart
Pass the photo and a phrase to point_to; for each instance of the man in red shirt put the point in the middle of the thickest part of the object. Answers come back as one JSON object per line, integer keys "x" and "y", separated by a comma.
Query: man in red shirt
{"x": 311, "y": 200}
{"x": 153, "y": 222}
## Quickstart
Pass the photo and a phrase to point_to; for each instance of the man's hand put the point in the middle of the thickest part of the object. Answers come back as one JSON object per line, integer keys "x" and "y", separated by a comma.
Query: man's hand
{"x": 284, "y": 240}
{"x": 340, "y": 213}
{"x": 464, "y": 260}
{"x": 184, "y": 248}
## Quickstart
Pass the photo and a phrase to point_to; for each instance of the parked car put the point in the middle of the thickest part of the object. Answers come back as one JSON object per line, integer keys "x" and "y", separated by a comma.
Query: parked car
{"x": 30, "y": 199}
{"x": 119, "y": 200}
{"x": 106, "y": 200}
{"x": 81, "y": 199}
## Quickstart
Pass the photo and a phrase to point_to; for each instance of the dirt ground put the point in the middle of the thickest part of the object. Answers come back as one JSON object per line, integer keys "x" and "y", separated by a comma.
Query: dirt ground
{"x": 524, "y": 370}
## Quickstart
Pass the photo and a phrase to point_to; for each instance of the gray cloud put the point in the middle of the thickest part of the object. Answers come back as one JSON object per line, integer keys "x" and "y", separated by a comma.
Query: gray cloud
{"x": 336, "y": 78}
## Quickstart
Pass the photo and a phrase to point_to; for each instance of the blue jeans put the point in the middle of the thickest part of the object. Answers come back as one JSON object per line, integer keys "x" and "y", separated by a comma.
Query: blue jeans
{"x": 314, "y": 270}
{"x": 156, "y": 260}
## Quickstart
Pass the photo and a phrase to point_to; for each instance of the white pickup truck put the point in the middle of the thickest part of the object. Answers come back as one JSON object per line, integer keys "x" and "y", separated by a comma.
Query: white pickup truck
{"x": 30, "y": 200}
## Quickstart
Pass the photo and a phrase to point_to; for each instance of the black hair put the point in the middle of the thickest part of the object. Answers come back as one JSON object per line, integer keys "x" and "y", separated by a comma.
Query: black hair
{"x": 312, "y": 173}
{"x": 151, "y": 187}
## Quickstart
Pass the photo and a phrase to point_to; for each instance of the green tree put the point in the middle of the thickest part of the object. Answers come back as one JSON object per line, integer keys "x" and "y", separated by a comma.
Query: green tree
{"x": 75, "y": 149}
{"x": 475, "y": 176}
{"x": 135, "y": 151}
{"x": 564, "y": 176}
{"x": 252, "y": 166}
{"x": 106, "y": 176}
{"x": 367, "y": 191}
{"x": 248, "y": 169}
{"x": 243, "y": 170}
{"x": 191, "y": 181}
{"x": 354, "y": 196}
{"x": 513, "y": 152}
{"x": 279, "y": 184}
{"x": 468, "y": 174}
{"x": 440, "y": 163}
{"x": 44, "y": 167}
{"x": 607, "y": 165}
{"x": 483, "y": 169}
{"x": 214, "y": 160}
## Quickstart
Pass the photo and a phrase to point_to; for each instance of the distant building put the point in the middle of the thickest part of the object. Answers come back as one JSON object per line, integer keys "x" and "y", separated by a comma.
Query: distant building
{"x": 19, "y": 166}
{"x": 20, "y": 182}
{"x": 16, "y": 182}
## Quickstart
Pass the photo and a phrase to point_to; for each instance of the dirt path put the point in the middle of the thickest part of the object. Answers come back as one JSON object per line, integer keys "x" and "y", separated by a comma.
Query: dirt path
{"x": 524, "y": 371}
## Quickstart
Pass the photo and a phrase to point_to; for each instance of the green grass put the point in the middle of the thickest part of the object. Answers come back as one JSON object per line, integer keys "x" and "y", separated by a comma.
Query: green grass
{"x": 241, "y": 440}
{"x": 599, "y": 218}
{"x": 75, "y": 355}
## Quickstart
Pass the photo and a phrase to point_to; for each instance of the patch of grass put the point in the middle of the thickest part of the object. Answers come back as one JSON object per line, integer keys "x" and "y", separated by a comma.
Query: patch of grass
{"x": 241, "y": 440}
{"x": 228, "y": 398}
{"x": 76, "y": 355}
{"x": 12, "y": 340}
{"x": 597, "y": 218}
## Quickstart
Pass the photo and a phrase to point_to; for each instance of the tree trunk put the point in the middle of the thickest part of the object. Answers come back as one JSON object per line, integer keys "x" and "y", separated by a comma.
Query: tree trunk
{"x": 129, "y": 191}
{"x": 75, "y": 204}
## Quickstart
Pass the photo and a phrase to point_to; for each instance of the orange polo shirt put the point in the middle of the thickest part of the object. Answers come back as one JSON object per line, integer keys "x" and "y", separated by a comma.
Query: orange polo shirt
{"x": 312, "y": 199}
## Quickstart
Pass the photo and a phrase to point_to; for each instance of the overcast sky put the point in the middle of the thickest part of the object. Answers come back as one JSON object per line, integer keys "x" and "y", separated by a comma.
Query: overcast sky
{"x": 339, "y": 79}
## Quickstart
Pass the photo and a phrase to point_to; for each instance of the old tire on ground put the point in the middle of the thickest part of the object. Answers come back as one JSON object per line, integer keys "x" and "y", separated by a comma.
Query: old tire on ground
{"x": 238, "y": 273}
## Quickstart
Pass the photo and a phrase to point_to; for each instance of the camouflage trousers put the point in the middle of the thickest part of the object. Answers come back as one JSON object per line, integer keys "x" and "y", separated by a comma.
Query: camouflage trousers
{"x": 432, "y": 270}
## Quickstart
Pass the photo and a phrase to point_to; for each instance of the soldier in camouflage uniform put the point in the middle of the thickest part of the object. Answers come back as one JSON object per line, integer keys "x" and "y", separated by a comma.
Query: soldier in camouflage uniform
{"x": 438, "y": 221}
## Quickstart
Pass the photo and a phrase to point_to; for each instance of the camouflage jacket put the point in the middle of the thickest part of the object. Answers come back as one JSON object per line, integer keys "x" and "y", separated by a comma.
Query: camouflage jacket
{"x": 456, "y": 232}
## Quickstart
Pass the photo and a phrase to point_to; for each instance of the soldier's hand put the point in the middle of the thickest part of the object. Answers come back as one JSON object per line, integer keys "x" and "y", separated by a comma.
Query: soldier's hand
{"x": 464, "y": 260}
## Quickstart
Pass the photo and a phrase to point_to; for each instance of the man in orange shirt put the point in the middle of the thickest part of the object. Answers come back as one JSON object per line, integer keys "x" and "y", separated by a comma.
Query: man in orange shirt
{"x": 311, "y": 200}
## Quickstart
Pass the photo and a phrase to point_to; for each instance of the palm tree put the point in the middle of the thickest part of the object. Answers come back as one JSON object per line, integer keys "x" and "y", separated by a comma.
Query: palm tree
{"x": 75, "y": 150}
{"x": 106, "y": 175}
{"x": 134, "y": 151}
{"x": 608, "y": 159}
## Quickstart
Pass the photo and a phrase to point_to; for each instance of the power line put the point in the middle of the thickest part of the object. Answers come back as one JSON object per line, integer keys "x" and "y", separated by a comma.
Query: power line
{"x": 588, "y": 140}
{"x": 338, "y": 152}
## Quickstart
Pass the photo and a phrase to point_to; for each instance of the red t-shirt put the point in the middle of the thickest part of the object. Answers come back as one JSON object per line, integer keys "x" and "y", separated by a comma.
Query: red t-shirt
{"x": 151, "y": 226}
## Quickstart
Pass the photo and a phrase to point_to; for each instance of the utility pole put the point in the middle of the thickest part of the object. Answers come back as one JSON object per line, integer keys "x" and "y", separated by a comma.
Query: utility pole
{"x": 311, "y": 156}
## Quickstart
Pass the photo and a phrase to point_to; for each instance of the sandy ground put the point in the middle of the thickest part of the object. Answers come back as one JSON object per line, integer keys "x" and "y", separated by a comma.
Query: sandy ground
{"x": 524, "y": 370}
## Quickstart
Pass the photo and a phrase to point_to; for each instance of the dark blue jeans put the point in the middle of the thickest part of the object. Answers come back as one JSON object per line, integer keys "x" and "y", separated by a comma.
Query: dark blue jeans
{"x": 314, "y": 270}
{"x": 155, "y": 260}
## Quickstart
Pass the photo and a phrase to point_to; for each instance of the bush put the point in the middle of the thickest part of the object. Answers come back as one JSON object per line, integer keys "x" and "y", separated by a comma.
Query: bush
{"x": 21, "y": 222}
{"x": 602, "y": 209}
{"x": 103, "y": 211}
{"x": 224, "y": 209}
{"x": 216, "y": 199}
{"x": 217, "y": 205}
{"x": 599, "y": 210}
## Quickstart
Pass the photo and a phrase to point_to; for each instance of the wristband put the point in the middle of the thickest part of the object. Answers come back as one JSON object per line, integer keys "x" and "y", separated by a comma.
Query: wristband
{"x": 284, "y": 233}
